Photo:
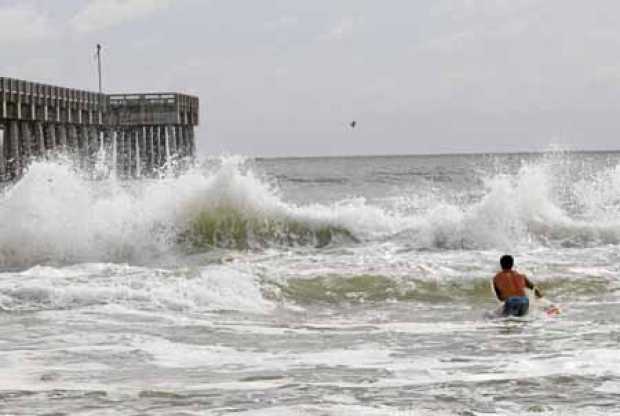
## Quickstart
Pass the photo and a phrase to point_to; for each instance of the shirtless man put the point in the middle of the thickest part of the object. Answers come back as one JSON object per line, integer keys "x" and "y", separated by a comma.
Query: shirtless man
{"x": 510, "y": 287}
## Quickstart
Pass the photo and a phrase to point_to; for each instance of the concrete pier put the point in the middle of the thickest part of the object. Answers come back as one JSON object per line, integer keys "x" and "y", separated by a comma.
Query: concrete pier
{"x": 149, "y": 131}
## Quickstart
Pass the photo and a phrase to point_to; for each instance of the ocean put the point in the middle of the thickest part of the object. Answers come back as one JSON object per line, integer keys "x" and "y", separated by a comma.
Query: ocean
{"x": 311, "y": 286}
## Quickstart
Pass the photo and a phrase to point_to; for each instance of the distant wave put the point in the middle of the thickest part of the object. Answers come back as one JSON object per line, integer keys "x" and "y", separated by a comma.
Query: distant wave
{"x": 320, "y": 180}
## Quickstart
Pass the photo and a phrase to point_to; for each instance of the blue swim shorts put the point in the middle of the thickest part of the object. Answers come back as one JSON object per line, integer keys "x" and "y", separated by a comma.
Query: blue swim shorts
{"x": 516, "y": 306}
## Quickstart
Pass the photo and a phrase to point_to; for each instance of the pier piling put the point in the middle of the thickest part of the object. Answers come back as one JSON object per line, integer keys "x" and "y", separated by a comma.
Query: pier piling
{"x": 2, "y": 155}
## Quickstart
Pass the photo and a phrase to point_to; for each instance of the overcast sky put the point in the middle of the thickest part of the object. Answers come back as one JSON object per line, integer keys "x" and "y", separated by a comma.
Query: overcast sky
{"x": 284, "y": 77}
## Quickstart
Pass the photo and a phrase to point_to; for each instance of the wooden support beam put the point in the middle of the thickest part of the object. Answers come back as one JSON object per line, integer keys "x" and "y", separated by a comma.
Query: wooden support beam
{"x": 26, "y": 139}
{"x": 14, "y": 161}
{"x": 143, "y": 150}
{"x": 2, "y": 154}
{"x": 72, "y": 138}
{"x": 39, "y": 138}
{"x": 61, "y": 131}
{"x": 51, "y": 136}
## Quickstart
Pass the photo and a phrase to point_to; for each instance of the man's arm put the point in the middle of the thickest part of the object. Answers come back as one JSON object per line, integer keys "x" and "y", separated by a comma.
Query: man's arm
{"x": 531, "y": 286}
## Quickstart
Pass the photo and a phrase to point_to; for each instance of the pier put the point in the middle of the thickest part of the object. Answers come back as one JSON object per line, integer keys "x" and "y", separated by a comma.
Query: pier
{"x": 142, "y": 132}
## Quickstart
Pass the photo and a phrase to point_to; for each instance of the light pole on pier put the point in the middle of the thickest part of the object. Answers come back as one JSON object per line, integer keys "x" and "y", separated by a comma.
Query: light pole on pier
{"x": 99, "y": 66}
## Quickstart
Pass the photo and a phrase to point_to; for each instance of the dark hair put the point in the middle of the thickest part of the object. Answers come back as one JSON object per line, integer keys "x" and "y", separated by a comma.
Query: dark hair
{"x": 506, "y": 261}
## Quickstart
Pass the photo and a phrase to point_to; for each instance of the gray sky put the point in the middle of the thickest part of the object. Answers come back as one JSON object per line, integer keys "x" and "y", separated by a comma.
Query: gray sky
{"x": 284, "y": 77}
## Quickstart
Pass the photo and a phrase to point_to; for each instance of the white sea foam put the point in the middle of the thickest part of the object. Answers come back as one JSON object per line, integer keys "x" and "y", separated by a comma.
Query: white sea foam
{"x": 211, "y": 288}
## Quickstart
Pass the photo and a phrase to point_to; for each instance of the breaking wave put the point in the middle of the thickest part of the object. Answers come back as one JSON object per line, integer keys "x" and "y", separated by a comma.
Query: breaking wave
{"x": 54, "y": 215}
{"x": 534, "y": 207}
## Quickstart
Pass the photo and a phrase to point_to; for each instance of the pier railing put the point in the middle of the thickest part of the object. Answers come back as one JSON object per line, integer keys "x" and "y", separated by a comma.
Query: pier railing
{"x": 154, "y": 108}
{"x": 25, "y": 100}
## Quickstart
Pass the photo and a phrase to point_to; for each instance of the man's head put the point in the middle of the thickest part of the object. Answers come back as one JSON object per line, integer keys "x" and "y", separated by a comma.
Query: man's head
{"x": 506, "y": 261}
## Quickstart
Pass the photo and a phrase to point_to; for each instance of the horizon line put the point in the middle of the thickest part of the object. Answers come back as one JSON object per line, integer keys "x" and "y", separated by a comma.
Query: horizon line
{"x": 395, "y": 155}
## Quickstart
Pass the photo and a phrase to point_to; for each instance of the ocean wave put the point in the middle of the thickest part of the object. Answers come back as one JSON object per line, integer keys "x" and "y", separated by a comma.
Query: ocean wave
{"x": 364, "y": 288}
{"x": 525, "y": 209}
{"x": 55, "y": 216}
{"x": 234, "y": 287}
{"x": 235, "y": 209}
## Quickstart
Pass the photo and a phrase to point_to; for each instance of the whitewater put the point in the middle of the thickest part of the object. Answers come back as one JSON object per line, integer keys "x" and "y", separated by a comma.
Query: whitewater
{"x": 311, "y": 286}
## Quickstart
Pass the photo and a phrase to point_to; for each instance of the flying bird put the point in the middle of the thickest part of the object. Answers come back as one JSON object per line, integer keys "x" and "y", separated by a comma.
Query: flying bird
{"x": 353, "y": 124}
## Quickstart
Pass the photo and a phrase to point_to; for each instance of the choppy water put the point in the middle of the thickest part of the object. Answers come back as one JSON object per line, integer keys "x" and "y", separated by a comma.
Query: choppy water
{"x": 342, "y": 286}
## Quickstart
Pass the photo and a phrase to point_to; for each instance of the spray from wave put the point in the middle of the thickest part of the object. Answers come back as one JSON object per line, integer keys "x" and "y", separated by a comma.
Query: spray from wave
{"x": 54, "y": 215}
